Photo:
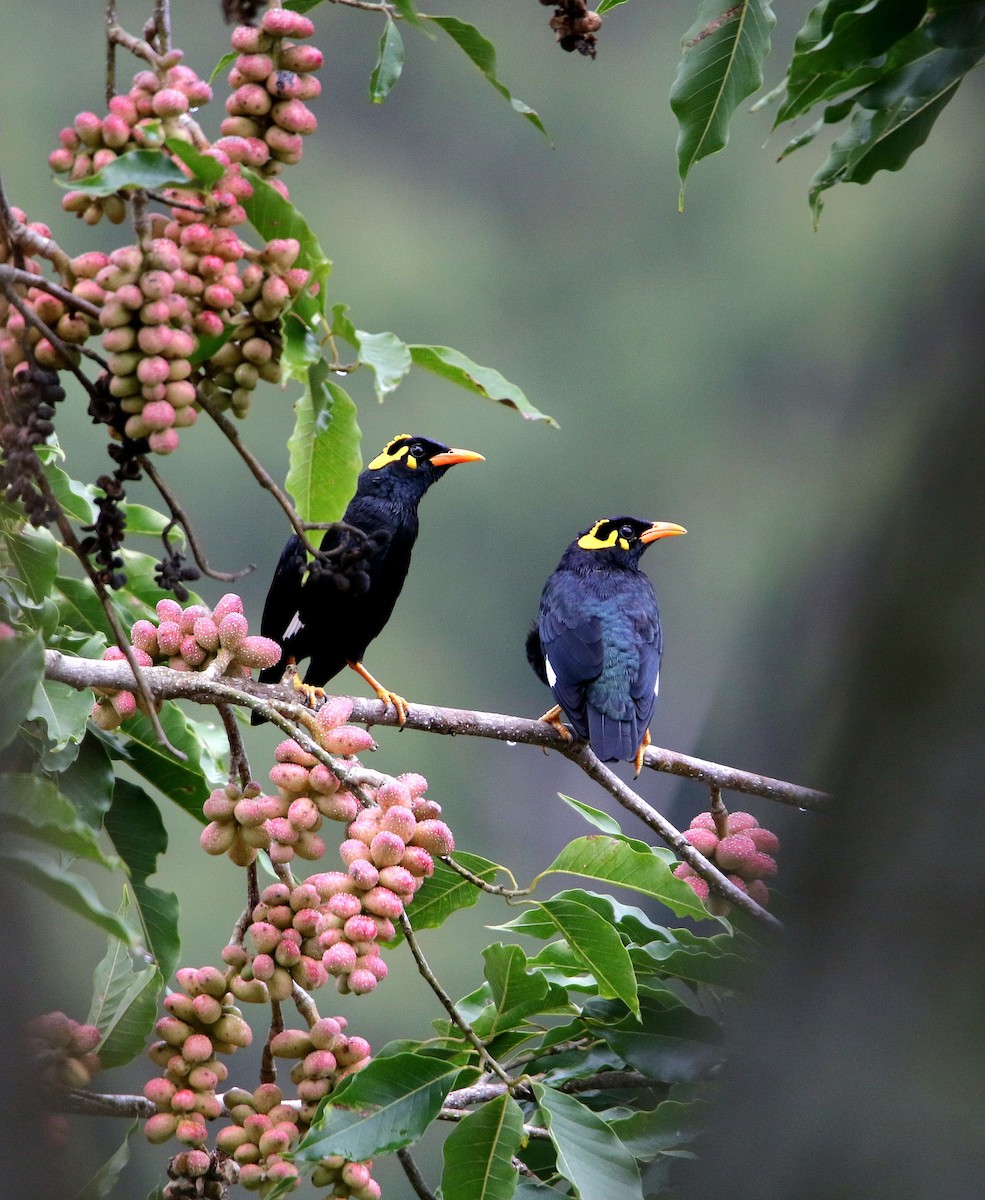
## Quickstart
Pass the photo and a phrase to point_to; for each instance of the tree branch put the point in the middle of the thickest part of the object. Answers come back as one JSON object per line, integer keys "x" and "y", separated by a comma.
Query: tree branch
{"x": 167, "y": 684}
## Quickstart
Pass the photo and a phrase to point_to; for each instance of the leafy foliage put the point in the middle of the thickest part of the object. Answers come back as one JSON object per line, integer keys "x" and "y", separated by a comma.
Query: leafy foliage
{"x": 592, "y": 1042}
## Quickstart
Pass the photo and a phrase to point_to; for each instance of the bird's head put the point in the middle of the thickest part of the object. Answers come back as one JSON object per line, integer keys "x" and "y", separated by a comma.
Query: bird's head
{"x": 417, "y": 461}
{"x": 621, "y": 540}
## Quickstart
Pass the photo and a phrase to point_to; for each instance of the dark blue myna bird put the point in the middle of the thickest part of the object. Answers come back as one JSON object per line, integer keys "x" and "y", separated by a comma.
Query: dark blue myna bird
{"x": 597, "y": 641}
{"x": 329, "y": 614}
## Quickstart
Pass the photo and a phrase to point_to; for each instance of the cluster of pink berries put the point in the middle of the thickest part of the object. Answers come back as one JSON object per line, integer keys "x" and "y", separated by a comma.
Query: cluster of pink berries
{"x": 70, "y": 325}
{"x": 388, "y": 855}
{"x": 272, "y": 78}
{"x": 243, "y": 822}
{"x": 265, "y": 1127}
{"x": 202, "y": 1023}
{"x": 65, "y": 1049}
{"x": 149, "y": 113}
{"x": 189, "y": 639}
{"x": 194, "y": 279}
{"x": 745, "y": 854}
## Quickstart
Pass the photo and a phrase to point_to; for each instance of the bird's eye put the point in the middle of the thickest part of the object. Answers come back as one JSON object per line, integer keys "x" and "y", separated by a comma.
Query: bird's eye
{"x": 417, "y": 450}
{"x": 627, "y": 531}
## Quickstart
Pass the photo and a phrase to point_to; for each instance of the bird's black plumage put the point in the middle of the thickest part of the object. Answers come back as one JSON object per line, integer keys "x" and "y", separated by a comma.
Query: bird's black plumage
{"x": 330, "y": 616}
{"x": 597, "y": 640}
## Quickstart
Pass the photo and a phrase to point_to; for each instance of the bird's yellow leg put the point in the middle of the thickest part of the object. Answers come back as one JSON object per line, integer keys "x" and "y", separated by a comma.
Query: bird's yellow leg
{"x": 553, "y": 717}
{"x": 638, "y": 760}
{"x": 312, "y": 696}
{"x": 388, "y": 697}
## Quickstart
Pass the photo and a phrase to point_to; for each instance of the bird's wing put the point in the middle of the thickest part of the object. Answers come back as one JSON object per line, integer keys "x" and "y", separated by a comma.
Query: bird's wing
{"x": 646, "y": 681}
{"x": 280, "y": 610}
{"x": 572, "y": 647}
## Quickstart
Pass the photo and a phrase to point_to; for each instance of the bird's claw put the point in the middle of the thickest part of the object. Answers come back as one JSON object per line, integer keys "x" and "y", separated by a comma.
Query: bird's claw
{"x": 398, "y": 702}
{"x": 312, "y": 695}
{"x": 553, "y": 718}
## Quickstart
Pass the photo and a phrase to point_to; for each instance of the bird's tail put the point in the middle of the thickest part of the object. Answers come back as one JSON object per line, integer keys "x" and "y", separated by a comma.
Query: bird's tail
{"x": 611, "y": 739}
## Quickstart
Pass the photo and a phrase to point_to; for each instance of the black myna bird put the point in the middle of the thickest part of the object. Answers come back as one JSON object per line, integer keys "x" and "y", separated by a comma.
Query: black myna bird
{"x": 330, "y": 615}
{"x": 597, "y": 641}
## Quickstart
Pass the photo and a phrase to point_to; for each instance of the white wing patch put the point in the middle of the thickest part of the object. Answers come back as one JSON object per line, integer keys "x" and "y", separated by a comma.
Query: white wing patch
{"x": 295, "y": 625}
{"x": 551, "y": 673}
{"x": 656, "y": 685}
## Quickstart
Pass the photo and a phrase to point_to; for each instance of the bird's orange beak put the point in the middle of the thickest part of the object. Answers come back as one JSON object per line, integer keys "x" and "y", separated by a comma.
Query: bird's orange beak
{"x": 451, "y": 457}
{"x": 661, "y": 529}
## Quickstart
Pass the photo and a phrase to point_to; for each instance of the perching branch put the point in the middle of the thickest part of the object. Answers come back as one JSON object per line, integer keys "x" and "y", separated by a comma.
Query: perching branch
{"x": 277, "y": 700}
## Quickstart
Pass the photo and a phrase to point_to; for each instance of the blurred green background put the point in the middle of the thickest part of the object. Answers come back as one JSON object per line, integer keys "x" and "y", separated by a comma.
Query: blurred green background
{"x": 726, "y": 368}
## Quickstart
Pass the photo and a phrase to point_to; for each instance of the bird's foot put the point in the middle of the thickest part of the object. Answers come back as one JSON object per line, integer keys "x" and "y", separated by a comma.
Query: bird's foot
{"x": 638, "y": 760}
{"x": 398, "y": 702}
{"x": 553, "y": 717}
{"x": 311, "y": 695}
{"x": 388, "y": 697}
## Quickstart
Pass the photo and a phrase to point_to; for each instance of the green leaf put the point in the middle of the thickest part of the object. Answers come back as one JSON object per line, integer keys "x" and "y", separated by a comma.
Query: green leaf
{"x": 388, "y": 1105}
{"x": 21, "y": 667}
{"x": 389, "y": 64}
{"x": 74, "y": 497}
{"x": 810, "y": 81}
{"x": 137, "y": 832}
{"x": 589, "y": 1154}
{"x": 409, "y": 12}
{"x": 274, "y": 217}
{"x": 88, "y": 782}
{"x": 75, "y": 893}
{"x": 595, "y": 816}
{"x": 445, "y": 892}
{"x": 483, "y": 54}
{"x": 227, "y": 60}
{"x": 64, "y": 711}
{"x": 182, "y": 782}
{"x": 669, "y": 1126}
{"x": 102, "y": 1184}
{"x": 32, "y": 556}
{"x": 325, "y": 460}
{"x": 387, "y": 357}
{"x": 516, "y": 991}
{"x": 150, "y": 169}
{"x": 478, "y": 1154}
{"x": 595, "y": 941}
{"x": 629, "y": 863}
{"x": 607, "y": 4}
{"x": 144, "y": 521}
{"x": 205, "y": 168}
{"x": 894, "y": 117}
{"x": 124, "y": 1005}
{"x": 482, "y": 381}
{"x": 671, "y": 1044}
{"x": 722, "y": 64}
{"x": 31, "y": 806}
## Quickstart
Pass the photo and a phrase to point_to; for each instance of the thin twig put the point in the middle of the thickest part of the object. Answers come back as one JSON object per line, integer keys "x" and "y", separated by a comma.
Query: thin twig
{"x": 305, "y": 1004}
{"x": 493, "y": 889}
{"x": 268, "y": 1068}
{"x": 259, "y": 472}
{"x": 181, "y": 517}
{"x": 447, "y": 1003}
{"x": 584, "y": 757}
{"x": 99, "y": 1104}
{"x": 110, "y": 51}
{"x": 64, "y": 348}
{"x": 118, "y": 36}
{"x": 17, "y": 275}
{"x": 719, "y": 813}
{"x": 414, "y": 1177}
{"x": 239, "y": 764}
